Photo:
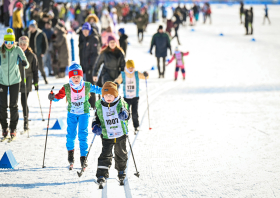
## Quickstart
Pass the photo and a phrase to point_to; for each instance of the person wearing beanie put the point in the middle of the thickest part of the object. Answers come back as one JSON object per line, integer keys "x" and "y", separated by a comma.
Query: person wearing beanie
{"x": 90, "y": 52}
{"x": 62, "y": 49}
{"x": 38, "y": 42}
{"x": 111, "y": 118}
{"x": 112, "y": 56}
{"x": 17, "y": 20}
{"x": 141, "y": 21}
{"x": 130, "y": 80}
{"x": 31, "y": 74}
{"x": 123, "y": 40}
{"x": 179, "y": 56}
{"x": 161, "y": 41}
{"x": 10, "y": 56}
{"x": 77, "y": 93}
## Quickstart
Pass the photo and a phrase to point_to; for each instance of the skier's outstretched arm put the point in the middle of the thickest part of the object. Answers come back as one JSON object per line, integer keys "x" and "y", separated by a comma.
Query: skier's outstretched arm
{"x": 170, "y": 61}
{"x": 60, "y": 95}
{"x": 185, "y": 54}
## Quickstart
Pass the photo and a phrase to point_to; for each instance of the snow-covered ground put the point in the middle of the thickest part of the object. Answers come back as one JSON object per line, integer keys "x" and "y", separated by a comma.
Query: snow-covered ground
{"x": 214, "y": 135}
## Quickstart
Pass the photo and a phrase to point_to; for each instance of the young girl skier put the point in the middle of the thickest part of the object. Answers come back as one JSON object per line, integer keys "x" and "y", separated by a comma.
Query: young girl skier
{"x": 10, "y": 56}
{"x": 111, "y": 123}
{"x": 179, "y": 56}
{"x": 77, "y": 93}
{"x": 130, "y": 79}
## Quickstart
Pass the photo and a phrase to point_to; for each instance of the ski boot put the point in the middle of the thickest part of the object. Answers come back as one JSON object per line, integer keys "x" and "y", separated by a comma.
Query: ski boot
{"x": 121, "y": 176}
{"x": 162, "y": 75}
{"x": 5, "y": 133}
{"x": 136, "y": 130}
{"x": 71, "y": 159}
{"x": 25, "y": 126}
{"x": 101, "y": 180}
{"x": 184, "y": 78}
{"x": 13, "y": 134}
{"x": 175, "y": 79}
{"x": 83, "y": 162}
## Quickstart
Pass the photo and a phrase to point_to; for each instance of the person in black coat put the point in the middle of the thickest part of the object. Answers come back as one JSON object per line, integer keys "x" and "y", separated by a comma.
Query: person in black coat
{"x": 177, "y": 25}
{"x": 90, "y": 51}
{"x": 113, "y": 58}
{"x": 30, "y": 74}
{"x": 161, "y": 42}
{"x": 38, "y": 42}
{"x": 249, "y": 21}
{"x": 123, "y": 40}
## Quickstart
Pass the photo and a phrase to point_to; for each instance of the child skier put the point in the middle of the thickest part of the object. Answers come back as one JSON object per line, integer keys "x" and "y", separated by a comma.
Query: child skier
{"x": 77, "y": 93}
{"x": 111, "y": 123}
{"x": 130, "y": 79}
{"x": 179, "y": 56}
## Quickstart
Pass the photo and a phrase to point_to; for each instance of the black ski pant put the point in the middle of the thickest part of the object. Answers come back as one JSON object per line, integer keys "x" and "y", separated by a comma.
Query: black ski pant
{"x": 140, "y": 31}
{"x": 14, "y": 90}
{"x": 24, "y": 105}
{"x": 163, "y": 65}
{"x": 41, "y": 66}
{"x": 105, "y": 158}
{"x": 133, "y": 103}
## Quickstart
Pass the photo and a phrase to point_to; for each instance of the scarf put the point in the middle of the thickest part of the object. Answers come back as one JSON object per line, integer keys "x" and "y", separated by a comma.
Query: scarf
{"x": 76, "y": 86}
{"x": 129, "y": 71}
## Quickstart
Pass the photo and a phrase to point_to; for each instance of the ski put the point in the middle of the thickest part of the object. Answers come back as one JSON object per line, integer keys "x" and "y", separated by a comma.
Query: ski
{"x": 12, "y": 139}
{"x": 71, "y": 166}
{"x": 4, "y": 138}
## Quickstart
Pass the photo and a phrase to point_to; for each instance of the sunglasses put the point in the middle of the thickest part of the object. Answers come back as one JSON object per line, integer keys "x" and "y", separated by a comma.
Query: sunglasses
{"x": 9, "y": 42}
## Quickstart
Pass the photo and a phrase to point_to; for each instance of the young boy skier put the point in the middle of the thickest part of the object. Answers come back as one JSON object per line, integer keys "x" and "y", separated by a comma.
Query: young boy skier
{"x": 77, "y": 93}
{"x": 111, "y": 123}
{"x": 179, "y": 56}
{"x": 130, "y": 79}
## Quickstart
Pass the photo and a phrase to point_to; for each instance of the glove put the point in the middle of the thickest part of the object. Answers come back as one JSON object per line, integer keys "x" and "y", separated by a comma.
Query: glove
{"x": 51, "y": 97}
{"x": 146, "y": 74}
{"x": 123, "y": 115}
{"x": 96, "y": 129}
{"x": 36, "y": 87}
{"x": 23, "y": 63}
{"x": 151, "y": 52}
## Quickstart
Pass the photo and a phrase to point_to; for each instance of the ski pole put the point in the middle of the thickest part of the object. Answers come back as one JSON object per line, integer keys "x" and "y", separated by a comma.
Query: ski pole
{"x": 40, "y": 105}
{"x": 82, "y": 170}
{"x": 47, "y": 130}
{"x": 26, "y": 117}
{"x": 148, "y": 103}
{"x": 137, "y": 174}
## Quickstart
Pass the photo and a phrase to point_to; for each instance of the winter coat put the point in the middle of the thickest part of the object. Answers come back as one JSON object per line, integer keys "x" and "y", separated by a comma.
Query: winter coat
{"x": 141, "y": 21}
{"x": 61, "y": 45}
{"x": 123, "y": 42}
{"x": 106, "y": 21}
{"x": 91, "y": 49}
{"x": 30, "y": 73}
{"x": 9, "y": 68}
{"x": 114, "y": 63}
{"x": 40, "y": 42}
{"x": 162, "y": 42}
{"x": 17, "y": 21}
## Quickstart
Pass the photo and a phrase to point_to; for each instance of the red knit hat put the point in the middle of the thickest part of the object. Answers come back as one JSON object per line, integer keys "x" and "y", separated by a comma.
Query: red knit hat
{"x": 75, "y": 70}
{"x": 19, "y": 5}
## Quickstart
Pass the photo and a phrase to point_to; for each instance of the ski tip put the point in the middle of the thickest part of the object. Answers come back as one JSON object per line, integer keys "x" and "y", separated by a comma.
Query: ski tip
{"x": 79, "y": 174}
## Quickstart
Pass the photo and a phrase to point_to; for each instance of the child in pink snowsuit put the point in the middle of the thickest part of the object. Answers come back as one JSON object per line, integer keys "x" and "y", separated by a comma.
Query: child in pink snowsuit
{"x": 179, "y": 56}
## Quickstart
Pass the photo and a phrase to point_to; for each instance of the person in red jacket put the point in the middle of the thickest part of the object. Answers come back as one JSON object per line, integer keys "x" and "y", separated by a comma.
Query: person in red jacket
{"x": 179, "y": 56}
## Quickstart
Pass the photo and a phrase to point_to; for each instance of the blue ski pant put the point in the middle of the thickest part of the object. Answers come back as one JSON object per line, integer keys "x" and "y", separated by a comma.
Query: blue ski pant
{"x": 73, "y": 120}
